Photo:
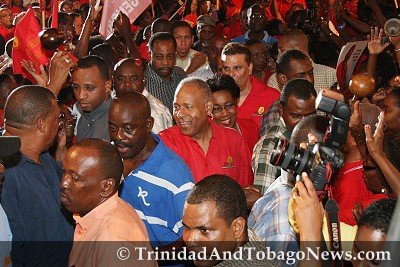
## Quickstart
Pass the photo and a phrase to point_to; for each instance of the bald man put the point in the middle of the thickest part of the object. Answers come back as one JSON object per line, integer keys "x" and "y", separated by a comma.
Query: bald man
{"x": 206, "y": 147}
{"x": 129, "y": 76}
{"x": 155, "y": 177}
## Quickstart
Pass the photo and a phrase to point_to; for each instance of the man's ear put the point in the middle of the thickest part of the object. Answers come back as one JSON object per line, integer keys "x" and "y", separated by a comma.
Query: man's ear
{"x": 250, "y": 68}
{"x": 209, "y": 108}
{"x": 40, "y": 124}
{"x": 108, "y": 85}
{"x": 239, "y": 227}
{"x": 149, "y": 124}
{"x": 281, "y": 79}
{"x": 107, "y": 187}
{"x": 280, "y": 109}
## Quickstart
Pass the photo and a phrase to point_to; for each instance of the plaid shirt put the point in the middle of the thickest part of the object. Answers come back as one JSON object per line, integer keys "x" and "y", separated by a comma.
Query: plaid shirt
{"x": 264, "y": 172}
{"x": 270, "y": 220}
{"x": 270, "y": 118}
{"x": 324, "y": 77}
{"x": 162, "y": 89}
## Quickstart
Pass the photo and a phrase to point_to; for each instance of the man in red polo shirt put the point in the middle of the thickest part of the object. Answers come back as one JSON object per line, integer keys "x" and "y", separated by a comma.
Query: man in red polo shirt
{"x": 207, "y": 148}
{"x": 7, "y": 28}
{"x": 255, "y": 97}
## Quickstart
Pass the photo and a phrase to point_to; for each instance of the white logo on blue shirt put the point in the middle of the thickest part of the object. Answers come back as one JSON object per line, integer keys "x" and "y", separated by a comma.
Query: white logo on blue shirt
{"x": 143, "y": 194}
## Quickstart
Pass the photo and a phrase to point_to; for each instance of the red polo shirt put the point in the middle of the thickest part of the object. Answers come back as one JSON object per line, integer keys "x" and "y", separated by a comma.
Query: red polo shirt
{"x": 227, "y": 153}
{"x": 7, "y": 33}
{"x": 284, "y": 6}
{"x": 258, "y": 101}
{"x": 250, "y": 132}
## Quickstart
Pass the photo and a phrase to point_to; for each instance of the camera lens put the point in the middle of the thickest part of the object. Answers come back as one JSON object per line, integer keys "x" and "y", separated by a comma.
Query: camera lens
{"x": 290, "y": 157}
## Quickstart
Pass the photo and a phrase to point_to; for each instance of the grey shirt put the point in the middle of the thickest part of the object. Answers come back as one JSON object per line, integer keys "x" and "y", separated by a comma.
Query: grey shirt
{"x": 94, "y": 124}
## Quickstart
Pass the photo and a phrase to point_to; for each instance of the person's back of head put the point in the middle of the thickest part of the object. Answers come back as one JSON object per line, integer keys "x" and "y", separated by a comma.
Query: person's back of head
{"x": 7, "y": 85}
{"x": 315, "y": 124}
{"x": 160, "y": 25}
{"x": 26, "y": 105}
{"x": 107, "y": 53}
{"x": 294, "y": 39}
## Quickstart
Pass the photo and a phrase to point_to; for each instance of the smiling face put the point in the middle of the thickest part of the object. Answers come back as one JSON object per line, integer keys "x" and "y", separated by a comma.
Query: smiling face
{"x": 90, "y": 89}
{"x": 224, "y": 110}
{"x": 80, "y": 184}
{"x": 191, "y": 110}
{"x": 203, "y": 227}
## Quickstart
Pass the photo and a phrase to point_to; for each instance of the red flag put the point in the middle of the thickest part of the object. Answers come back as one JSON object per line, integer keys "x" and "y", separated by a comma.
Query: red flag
{"x": 42, "y": 5}
{"x": 27, "y": 45}
{"x": 131, "y": 8}
{"x": 54, "y": 17}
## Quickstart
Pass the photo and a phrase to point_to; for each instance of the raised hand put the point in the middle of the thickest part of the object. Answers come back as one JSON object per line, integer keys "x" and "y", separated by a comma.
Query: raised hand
{"x": 375, "y": 46}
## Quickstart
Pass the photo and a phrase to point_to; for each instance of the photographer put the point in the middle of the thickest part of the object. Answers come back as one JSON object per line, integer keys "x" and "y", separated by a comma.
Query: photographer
{"x": 269, "y": 216}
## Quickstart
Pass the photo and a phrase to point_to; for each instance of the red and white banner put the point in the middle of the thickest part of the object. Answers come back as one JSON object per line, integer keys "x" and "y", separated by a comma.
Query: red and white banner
{"x": 111, "y": 8}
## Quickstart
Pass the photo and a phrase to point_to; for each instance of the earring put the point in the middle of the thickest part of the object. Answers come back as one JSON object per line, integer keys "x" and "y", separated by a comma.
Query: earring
{"x": 383, "y": 191}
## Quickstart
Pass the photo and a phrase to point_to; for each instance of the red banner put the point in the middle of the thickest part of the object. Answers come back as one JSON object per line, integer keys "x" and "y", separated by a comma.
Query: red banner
{"x": 111, "y": 8}
{"x": 27, "y": 45}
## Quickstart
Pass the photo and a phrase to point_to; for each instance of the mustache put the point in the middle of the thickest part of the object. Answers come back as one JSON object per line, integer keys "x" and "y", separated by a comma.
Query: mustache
{"x": 120, "y": 143}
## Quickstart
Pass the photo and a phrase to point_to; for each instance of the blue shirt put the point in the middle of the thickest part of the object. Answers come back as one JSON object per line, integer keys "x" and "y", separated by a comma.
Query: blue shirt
{"x": 269, "y": 218}
{"x": 266, "y": 40}
{"x": 157, "y": 190}
{"x": 31, "y": 200}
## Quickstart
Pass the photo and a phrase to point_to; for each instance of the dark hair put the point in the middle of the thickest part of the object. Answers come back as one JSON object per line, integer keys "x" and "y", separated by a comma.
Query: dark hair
{"x": 299, "y": 88}
{"x": 26, "y": 104}
{"x": 284, "y": 60}
{"x": 110, "y": 161}
{"x": 273, "y": 27}
{"x": 223, "y": 82}
{"x": 160, "y": 25}
{"x": 396, "y": 94}
{"x": 237, "y": 49}
{"x": 107, "y": 53}
{"x": 378, "y": 215}
{"x": 64, "y": 18}
{"x": 315, "y": 124}
{"x": 91, "y": 61}
{"x": 95, "y": 40}
{"x": 180, "y": 24}
{"x": 226, "y": 193}
{"x": 161, "y": 36}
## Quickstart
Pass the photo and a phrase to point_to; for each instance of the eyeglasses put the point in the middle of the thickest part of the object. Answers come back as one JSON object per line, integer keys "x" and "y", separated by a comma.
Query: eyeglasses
{"x": 227, "y": 107}
{"x": 257, "y": 16}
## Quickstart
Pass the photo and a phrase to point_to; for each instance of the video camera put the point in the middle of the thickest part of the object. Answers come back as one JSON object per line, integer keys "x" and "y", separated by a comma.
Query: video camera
{"x": 310, "y": 25}
{"x": 323, "y": 159}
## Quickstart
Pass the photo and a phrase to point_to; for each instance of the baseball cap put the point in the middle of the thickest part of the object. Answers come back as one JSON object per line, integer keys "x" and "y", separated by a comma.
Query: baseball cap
{"x": 9, "y": 145}
{"x": 205, "y": 21}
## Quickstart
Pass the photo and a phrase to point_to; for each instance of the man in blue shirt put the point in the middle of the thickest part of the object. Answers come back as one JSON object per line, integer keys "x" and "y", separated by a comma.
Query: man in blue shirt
{"x": 156, "y": 179}
{"x": 31, "y": 191}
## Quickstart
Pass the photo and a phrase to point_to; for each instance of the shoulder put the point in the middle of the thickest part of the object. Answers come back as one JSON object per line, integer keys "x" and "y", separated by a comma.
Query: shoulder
{"x": 178, "y": 71}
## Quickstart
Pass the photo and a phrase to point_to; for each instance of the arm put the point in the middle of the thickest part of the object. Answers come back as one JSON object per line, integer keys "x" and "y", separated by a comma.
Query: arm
{"x": 123, "y": 25}
{"x": 337, "y": 40}
{"x": 356, "y": 24}
{"x": 275, "y": 11}
{"x": 198, "y": 60}
{"x": 59, "y": 67}
{"x": 396, "y": 43}
{"x": 309, "y": 215}
{"x": 373, "y": 4}
{"x": 375, "y": 48}
{"x": 356, "y": 128}
{"x": 375, "y": 148}
{"x": 82, "y": 47}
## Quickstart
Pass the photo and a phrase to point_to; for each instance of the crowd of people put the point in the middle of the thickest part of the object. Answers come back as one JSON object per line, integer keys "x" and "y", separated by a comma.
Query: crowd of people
{"x": 161, "y": 135}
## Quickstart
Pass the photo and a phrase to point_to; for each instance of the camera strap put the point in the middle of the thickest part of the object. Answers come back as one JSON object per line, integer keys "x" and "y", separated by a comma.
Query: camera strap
{"x": 332, "y": 211}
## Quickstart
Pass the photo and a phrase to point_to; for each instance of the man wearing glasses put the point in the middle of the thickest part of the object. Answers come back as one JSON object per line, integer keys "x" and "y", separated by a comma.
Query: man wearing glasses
{"x": 7, "y": 28}
{"x": 256, "y": 21}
